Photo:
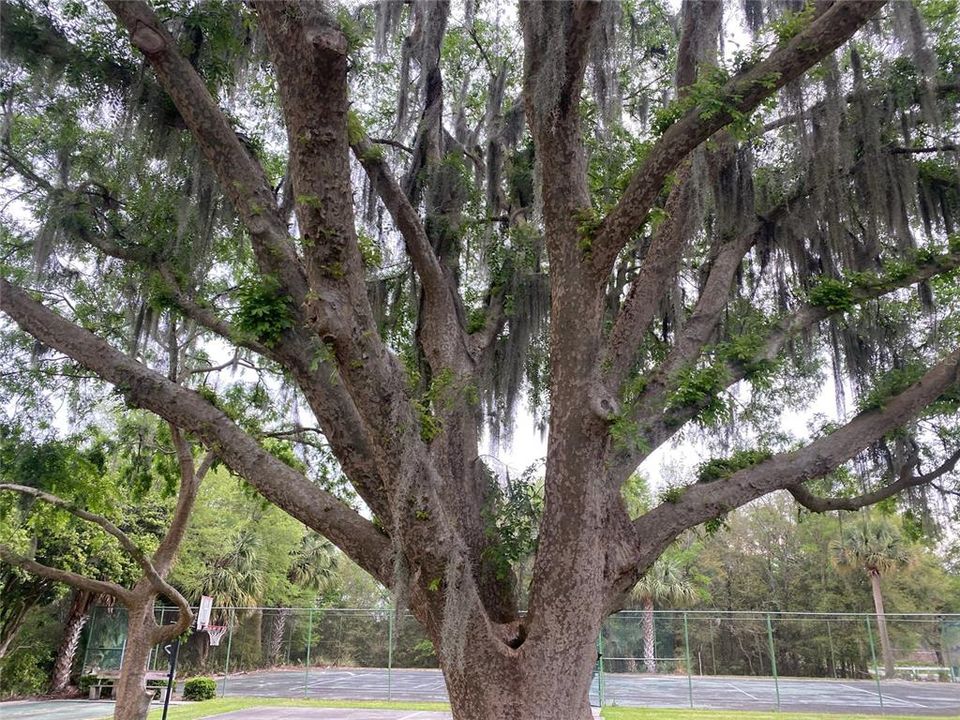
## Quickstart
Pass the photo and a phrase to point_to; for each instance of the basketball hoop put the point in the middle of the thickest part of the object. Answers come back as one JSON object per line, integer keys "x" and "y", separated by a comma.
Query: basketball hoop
{"x": 216, "y": 633}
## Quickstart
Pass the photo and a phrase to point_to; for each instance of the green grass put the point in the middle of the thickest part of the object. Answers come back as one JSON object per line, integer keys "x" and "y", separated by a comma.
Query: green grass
{"x": 207, "y": 708}
{"x": 198, "y": 710}
{"x": 617, "y": 713}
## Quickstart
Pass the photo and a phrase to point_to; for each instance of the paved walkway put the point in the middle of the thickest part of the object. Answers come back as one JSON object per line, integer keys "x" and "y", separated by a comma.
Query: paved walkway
{"x": 285, "y": 713}
{"x": 89, "y": 710}
{"x": 55, "y": 710}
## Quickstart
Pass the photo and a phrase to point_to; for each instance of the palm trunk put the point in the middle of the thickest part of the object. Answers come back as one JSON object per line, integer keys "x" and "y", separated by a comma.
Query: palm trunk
{"x": 649, "y": 636}
{"x": 885, "y": 648}
{"x": 72, "y": 631}
{"x": 257, "y": 622}
{"x": 276, "y": 638}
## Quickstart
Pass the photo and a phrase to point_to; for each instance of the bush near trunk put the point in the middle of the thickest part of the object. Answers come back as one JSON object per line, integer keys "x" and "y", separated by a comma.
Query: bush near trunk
{"x": 200, "y": 688}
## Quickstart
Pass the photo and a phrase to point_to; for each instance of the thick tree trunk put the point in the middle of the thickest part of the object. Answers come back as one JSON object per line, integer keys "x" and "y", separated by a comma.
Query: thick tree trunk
{"x": 540, "y": 680}
{"x": 889, "y": 668}
{"x": 133, "y": 702}
{"x": 649, "y": 636}
{"x": 76, "y": 620}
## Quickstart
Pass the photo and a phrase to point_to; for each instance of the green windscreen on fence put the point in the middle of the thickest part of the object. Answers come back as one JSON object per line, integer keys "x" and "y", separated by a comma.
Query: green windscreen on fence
{"x": 292, "y": 643}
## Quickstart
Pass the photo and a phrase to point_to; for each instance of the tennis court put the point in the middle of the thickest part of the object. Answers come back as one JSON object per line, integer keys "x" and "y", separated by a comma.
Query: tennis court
{"x": 714, "y": 693}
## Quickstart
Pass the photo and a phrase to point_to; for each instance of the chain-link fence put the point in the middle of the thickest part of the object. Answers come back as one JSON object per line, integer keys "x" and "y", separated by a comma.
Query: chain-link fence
{"x": 376, "y": 653}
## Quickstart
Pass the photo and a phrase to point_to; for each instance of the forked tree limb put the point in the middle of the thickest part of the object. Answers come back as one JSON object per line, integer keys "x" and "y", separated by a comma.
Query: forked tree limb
{"x": 656, "y": 273}
{"x": 100, "y": 587}
{"x": 295, "y": 351}
{"x": 125, "y": 542}
{"x": 743, "y": 93}
{"x": 241, "y": 176}
{"x": 907, "y": 479}
{"x": 652, "y": 532}
{"x": 191, "y": 475}
{"x": 153, "y": 576}
{"x": 661, "y": 423}
{"x": 278, "y": 482}
{"x": 441, "y": 323}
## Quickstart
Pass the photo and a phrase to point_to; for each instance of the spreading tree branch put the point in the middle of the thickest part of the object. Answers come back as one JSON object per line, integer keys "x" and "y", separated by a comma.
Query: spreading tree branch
{"x": 241, "y": 176}
{"x": 100, "y": 587}
{"x": 131, "y": 547}
{"x": 146, "y": 388}
{"x": 657, "y": 271}
{"x": 154, "y": 577}
{"x": 697, "y": 503}
{"x": 441, "y": 321}
{"x": 191, "y": 475}
{"x": 661, "y": 422}
{"x": 297, "y": 352}
{"x": 907, "y": 479}
{"x": 742, "y": 94}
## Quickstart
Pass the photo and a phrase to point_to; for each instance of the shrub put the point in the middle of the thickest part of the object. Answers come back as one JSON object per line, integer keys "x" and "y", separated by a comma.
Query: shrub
{"x": 200, "y": 688}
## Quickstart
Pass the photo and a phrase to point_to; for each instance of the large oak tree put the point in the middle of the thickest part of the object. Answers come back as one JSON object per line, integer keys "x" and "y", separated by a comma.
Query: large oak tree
{"x": 412, "y": 213}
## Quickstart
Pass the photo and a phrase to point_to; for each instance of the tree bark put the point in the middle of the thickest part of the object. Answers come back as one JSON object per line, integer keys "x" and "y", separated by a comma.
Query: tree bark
{"x": 649, "y": 636}
{"x": 12, "y": 627}
{"x": 543, "y": 679}
{"x": 277, "y": 633}
{"x": 76, "y": 620}
{"x": 889, "y": 667}
{"x": 132, "y": 700}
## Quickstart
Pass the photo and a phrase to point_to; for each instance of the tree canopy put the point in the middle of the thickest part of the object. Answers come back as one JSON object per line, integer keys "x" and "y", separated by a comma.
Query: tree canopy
{"x": 336, "y": 245}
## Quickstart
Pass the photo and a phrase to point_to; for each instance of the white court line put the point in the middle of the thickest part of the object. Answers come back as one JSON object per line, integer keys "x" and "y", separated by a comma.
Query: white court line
{"x": 752, "y": 697}
{"x": 886, "y": 698}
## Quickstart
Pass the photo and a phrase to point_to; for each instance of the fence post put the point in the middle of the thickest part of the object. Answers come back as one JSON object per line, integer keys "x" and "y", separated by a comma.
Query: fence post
{"x": 686, "y": 652}
{"x": 773, "y": 659}
{"x": 226, "y": 665}
{"x": 390, "y": 620}
{"x": 833, "y": 654}
{"x": 876, "y": 669}
{"x": 156, "y": 649}
{"x": 600, "y": 683}
{"x": 91, "y": 635}
{"x": 306, "y": 672}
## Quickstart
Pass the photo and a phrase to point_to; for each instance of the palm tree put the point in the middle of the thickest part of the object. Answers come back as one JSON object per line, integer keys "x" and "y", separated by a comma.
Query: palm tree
{"x": 233, "y": 578}
{"x": 313, "y": 567}
{"x": 877, "y": 547}
{"x": 314, "y": 563}
{"x": 665, "y": 581}
{"x": 80, "y": 605}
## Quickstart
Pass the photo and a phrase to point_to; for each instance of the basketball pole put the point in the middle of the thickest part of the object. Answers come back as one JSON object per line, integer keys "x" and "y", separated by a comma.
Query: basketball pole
{"x": 173, "y": 669}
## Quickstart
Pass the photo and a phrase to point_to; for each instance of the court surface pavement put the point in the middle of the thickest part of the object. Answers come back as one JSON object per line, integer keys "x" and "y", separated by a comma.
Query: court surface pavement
{"x": 660, "y": 691}
{"x": 663, "y": 691}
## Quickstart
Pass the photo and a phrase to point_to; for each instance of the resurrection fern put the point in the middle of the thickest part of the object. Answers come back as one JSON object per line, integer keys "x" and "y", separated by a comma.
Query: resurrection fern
{"x": 791, "y": 24}
{"x": 263, "y": 312}
{"x": 700, "y": 388}
{"x": 720, "y": 468}
{"x": 511, "y": 519}
{"x": 834, "y": 295}
{"x": 888, "y": 385}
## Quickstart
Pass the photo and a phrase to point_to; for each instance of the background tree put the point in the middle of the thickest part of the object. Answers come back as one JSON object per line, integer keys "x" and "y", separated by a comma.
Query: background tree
{"x": 877, "y": 549}
{"x": 313, "y": 568}
{"x": 664, "y": 581}
{"x": 143, "y": 632}
{"x": 53, "y": 466}
{"x": 630, "y": 225}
